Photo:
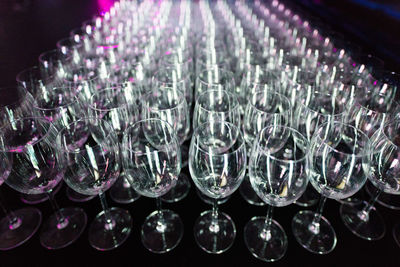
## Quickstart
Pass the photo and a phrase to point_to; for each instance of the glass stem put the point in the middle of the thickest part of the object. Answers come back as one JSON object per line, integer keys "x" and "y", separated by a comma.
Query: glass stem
{"x": 13, "y": 221}
{"x": 62, "y": 222}
{"x": 364, "y": 213}
{"x": 161, "y": 225}
{"x": 266, "y": 231}
{"x": 214, "y": 227}
{"x": 109, "y": 222}
{"x": 314, "y": 226}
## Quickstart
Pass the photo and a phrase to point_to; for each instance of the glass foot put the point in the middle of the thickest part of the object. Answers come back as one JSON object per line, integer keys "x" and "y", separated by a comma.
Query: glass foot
{"x": 309, "y": 198}
{"x": 179, "y": 191}
{"x": 26, "y": 224}
{"x": 210, "y": 201}
{"x": 387, "y": 200}
{"x": 369, "y": 226}
{"x": 162, "y": 231}
{"x": 122, "y": 192}
{"x": 77, "y": 197}
{"x": 214, "y": 238}
{"x": 33, "y": 199}
{"x": 247, "y": 192}
{"x": 266, "y": 246}
{"x": 56, "y": 235}
{"x": 319, "y": 242}
{"x": 104, "y": 235}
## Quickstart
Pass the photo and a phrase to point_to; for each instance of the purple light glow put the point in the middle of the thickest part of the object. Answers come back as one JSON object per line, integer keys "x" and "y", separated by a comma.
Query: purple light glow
{"x": 104, "y": 5}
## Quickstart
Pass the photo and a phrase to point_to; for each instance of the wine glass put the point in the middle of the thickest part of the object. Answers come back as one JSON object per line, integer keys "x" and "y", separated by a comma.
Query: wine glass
{"x": 264, "y": 107}
{"x": 18, "y": 226}
{"x": 278, "y": 170}
{"x": 88, "y": 150}
{"x": 29, "y": 144}
{"x": 217, "y": 164}
{"x": 214, "y": 78}
{"x": 312, "y": 109}
{"x": 117, "y": 106}
{"x": 363, "y": 219}
{"x": 216, "y": 105}
{"x": 339, "y": 165}
{"x": 152, "y": 162}
{"x": 169, "y": 104}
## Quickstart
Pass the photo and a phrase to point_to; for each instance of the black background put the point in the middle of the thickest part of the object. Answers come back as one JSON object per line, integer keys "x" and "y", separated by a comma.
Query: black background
{"x": 29, "y": 27}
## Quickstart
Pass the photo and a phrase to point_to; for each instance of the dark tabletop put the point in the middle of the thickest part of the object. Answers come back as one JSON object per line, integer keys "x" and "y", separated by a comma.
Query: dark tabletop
{"x": 29, "y": 27}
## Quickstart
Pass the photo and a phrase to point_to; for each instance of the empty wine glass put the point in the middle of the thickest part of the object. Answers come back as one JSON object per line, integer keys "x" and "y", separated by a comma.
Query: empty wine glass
{"x": 264, "y": 107}
{"x": 118, "y": 106}
{"x": 363, "y": 219}
{"x": 312, "y": 109}
{"x": 152, "y": 162}
{"x": 278, "y": 170}
{"x": 217, "y": 164}
{"x": 29, "y": 144}
{"x": 18, "y": 226}
{"x": 339, "y": 165}
{"x": 169, "y": 104}
{"x": 216, "y": 105}
{"x": 88, "y": 150}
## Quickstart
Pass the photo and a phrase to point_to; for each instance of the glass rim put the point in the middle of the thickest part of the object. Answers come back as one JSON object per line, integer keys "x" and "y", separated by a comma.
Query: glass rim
{"x": 172, "y": 132}
{"x": 342, "y": 113}
{"x": 162, "y": 89}
{"x": 283, "y": 97}
{"x": 34, "y": 70}
{"x": 82, "y": 119}
{"x": 43, "y": 137}
{"x": 123, "y": 105}
{"x": 230, "y": 94}
{"x": 199, "y": 127}
{"x": 71, "y": 101}
{"x": 306, "y": 150}
{"x": 323, "y": 125}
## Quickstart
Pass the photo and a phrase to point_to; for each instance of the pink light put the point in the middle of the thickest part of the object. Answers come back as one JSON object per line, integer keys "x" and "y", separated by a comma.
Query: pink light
{"x": 104, "y": 5}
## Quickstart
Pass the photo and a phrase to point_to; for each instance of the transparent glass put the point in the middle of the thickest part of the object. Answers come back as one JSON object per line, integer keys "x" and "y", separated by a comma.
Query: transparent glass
{"x": 278, "y": 170}
{"x": 217, "y": 164}
{"x": 152, "y": 163}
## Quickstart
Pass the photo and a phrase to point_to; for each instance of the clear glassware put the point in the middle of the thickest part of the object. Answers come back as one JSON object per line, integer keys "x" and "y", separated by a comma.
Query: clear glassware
{"x": 265, "y": 107}
{"x": 88, "y": 149}
{"x": 217, "y": 164}
{"x": 169, "y": 104}
{"x": 214, "y": 78}
{"x": 17, "y": 226}
{"x": 152, "y": 162}
{"x": 117, "y": 106}
{"x": 54, "y": 63}
{"x": 29, "y": 143}
{"x": 39, "y": 198}
{"x": 312, "y": 109}
{"x": 363, "y": 219}
{"x": 279, "y": 175}
{"x": 339, "y": 166}
{"x": 216, "y": 105}
{"x": 15, "y": 103}
{"x": 169, "y": 76}
{"x": 32, "y": 80}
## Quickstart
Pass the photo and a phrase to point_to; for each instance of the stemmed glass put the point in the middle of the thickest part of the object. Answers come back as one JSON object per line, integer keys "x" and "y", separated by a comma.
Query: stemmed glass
{"x": 278, "y": 170}
{"x": 311, "y": 110}
{"x": 363, "y": 219}
{"x": 264, "y": 107}
{"x": 20, "y": 225}
{"x": 339, "y": 165}
{"x": 29, "y": 144}
{"x": 217, "y": 164}
{"x": 169, "y": 104}
{"x": 118, "y": 106}
{"x": 88, "y": 150}
{"x": 152, "y": 162}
